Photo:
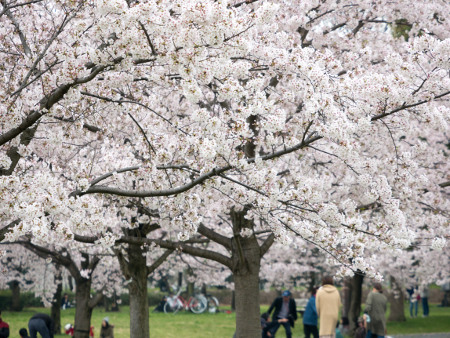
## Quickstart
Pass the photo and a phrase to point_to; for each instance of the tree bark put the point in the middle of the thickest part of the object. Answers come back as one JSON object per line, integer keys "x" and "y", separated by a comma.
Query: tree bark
{"x": 355, "y": 300}
{"x": 233, "y": 300}
{"x": 15, "y": 295}
{"x": 397, "y": 300}
{"x": 69, "y": 279}
{"x": 83, "y": 311}
{"x": 246, "y": 285}
{"x": 346, "y": 297}
{"x": 246, "y": 256}
{"x": 137, "y": 268}
{"x": 56, "y": 304}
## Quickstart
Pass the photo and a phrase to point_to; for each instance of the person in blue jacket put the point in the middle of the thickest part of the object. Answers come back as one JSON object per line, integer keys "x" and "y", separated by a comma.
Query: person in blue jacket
{"x": 310, "y": 316}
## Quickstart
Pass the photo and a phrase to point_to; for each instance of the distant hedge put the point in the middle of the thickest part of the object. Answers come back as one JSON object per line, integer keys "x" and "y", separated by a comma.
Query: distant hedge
{"x": 27, "y": 299}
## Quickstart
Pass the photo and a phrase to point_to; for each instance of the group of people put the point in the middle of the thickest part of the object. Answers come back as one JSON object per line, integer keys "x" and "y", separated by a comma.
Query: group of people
{"x": 324, "y": 304}
{"x": 106, "y": 331}
{"x": 417, "y": 295}
{"x": 39, "y": 323}
{"x": 44, "y": 325}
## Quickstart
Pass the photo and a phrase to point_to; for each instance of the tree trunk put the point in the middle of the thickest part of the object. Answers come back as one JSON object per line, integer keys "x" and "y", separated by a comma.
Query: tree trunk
{"x": 69, "y": 279}
{"x": 246, "y": 287}
{"x": 137, "y": 268}
{"x": 355, "y": 300}
{"x": 346, "y": 297}
{"x": 312, "y": 281}
{"x": 233, "y": 300}
{"x": 397, "y": 300}
{"x": 15, "y": 295}
{"x": 190, "y": 287}
{"x": 203, "y": 289}
{"x": 83, "y": 311}
{"x": 246, "y": 258}
{"x": 56, "y": 304}
{"x": 106, "y": 304}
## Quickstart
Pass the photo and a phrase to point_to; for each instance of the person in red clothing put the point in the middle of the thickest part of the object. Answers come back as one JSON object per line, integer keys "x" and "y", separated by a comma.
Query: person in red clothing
{"x": 69, "y": 329}
{"x": 4, "y": 328}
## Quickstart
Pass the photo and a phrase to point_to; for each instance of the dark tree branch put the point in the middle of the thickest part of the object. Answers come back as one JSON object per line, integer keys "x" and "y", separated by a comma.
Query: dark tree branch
{"x": 183, "y": 246}
{"x": 191, "y": 250}
{"x": 143, "y": 133}
{"x": 89, "y": 127}
{"x": 8, "y": 227}
{"x": 199, "y": 180}
{"x": 444, "y": 184}
{"x": 47, "y": 103}
{"x": 214, "y": 236}
{"x": 93, "y": 302}
{"x": 42, "y": 252}
{"x": 266, "y": 244}
{"x": 156, "y": 264}
{"x": 148, "y": 39}
{"x": 406, "y": 106}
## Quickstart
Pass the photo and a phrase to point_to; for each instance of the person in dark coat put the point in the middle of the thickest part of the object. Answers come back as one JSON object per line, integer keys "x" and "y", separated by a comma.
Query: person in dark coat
{"x": 376, "y": 305}
{"x": 286, "y": 310}
{"x": 41, "y": 323}
{"x": 65, "y": 304}
{"x": 4, "y": 328}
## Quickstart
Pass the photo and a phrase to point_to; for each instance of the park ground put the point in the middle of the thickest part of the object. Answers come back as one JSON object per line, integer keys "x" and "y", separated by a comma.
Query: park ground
{"x": 217, "y": 325}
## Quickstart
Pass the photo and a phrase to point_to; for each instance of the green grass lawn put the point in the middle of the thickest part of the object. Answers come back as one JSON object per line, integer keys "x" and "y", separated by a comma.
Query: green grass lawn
{"x": 207, "y": 325}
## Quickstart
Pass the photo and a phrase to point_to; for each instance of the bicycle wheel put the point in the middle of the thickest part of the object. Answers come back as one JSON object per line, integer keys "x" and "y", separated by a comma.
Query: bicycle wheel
{"x": 198, "y": 304}
{"x": 172, "y": 308}
{"x": 167, "y": 308}
{"x": 213, "y": 304}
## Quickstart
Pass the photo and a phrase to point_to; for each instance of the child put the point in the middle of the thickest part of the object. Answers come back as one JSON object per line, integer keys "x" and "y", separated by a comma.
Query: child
{"x": 69, "y": 329}
{"x": 23, "y": 333}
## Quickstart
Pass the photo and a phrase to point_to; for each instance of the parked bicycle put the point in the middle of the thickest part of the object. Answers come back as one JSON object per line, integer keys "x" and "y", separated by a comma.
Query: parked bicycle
{"x": 197, "y": 304}
{"x": 213, "y": 304}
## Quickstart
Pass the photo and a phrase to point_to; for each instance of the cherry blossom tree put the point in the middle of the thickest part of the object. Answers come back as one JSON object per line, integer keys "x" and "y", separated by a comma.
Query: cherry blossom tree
{"x": 24, "y": 271}
{"x": 246, "y": 122}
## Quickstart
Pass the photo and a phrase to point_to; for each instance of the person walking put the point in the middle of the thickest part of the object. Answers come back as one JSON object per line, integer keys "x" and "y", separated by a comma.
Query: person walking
{"x": 376, "y": 305}
{"x": 310, "y": 316}
{"x": 328, "y": 302}
{"x": 4, "y": 327}
{"x": 285, "y": 313}
{"x": 41, "y": 323}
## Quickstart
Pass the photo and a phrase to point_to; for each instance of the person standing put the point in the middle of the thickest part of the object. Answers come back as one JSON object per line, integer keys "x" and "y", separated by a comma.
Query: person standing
{"x": 4, "y": 327}
{"x": 413, "y": 293}
{"x": 310, "y": 316}
{"x": 41, "y": 323}
{"x": 328, "y": 302}
{"x": 376, "y": 305}
{"x": 285, "y": 313}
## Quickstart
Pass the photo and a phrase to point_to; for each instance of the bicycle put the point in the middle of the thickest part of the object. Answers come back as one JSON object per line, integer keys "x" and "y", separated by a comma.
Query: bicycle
{"x": 197, "y": 304}
{"x": 212, "y": 304}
